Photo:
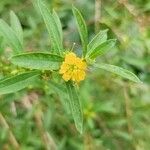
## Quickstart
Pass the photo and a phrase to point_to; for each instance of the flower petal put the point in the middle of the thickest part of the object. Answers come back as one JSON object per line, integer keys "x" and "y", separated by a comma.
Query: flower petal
{"x": 64, "y": 67}
{"x": 70, "y": 58}
{"x": 73, "y": 68}
{"x": 66, "y": 76}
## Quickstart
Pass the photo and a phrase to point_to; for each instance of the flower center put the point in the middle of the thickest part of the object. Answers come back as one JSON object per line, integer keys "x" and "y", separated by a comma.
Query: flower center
{"x": 73, "y": 68}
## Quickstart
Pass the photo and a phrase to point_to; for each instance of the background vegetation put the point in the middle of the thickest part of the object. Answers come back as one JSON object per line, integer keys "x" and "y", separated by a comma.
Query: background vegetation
{"x": 116, "y": 111}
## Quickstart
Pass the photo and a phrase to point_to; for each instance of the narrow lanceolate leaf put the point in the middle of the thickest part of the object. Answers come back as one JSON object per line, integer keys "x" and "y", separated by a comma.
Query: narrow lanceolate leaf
{"x": 61, "y": 90}
{"x": 100, "y": 38}
{"x": 16, "y": 26}
{"x": 75, "y": 106}
{"x": 101, "y": 49}
{"x": 17, "y": 82}
{"x": 58, "y": 23}
{"x": 10, "y": 37}
{"x": 119, "y": 71}
{"x": 41, "y": 61}
{"x": 1, "y": 45}
{"x": 82, "y": 29}
{"x": 52, "y": 27}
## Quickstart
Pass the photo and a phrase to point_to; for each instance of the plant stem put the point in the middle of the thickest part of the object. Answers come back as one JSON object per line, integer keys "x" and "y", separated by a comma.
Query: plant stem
{"x": 128, "y": 112}
{"x": 33, "y": 99}
{"x": 97, "y": 14}
{"x": 47, "y": 139}
{"x": 12, "y": 138}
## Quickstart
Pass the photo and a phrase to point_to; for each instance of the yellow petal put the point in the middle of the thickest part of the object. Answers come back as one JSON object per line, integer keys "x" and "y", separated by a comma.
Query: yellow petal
{"x": 80, "y": 64}
{"x": 74, "y": 76}
{"x": 64, "y": 67}
{"x": 66, "y": 77}
{"x": 84, "y": 65}
{"x": 81, "y": 75}
{"x": 78, "y": 75}
{"x": 70, "y": 58}
{"x": 73, "y": 68}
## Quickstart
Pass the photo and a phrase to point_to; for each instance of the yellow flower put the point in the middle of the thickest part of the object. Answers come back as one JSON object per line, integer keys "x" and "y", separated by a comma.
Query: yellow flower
{"x": 73, "y": 68}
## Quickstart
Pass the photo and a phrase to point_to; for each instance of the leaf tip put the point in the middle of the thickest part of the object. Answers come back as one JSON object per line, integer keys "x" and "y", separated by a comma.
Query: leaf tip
{"x": 79, "y": 128}
{"x": 138, "y": 80}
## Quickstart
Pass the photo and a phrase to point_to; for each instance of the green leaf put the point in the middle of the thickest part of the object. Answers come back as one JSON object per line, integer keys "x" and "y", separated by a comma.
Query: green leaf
{"x": 101, "y": 49}
{"x": 17, "y": 82}
{"x": 41, "y": 61}
{"x": 1, "y": 45}
{"x": 82, "y": 29}
{"x": 52, "y": 27}
{"x": 61, "y": 90}
{"x": 58, "y": 23}
{"x": 16, "y": 26}
{"x": 119, "y": 71}
{"x": 10, "y": 37}
{"x": 100, "y": 38}
{"x": 75, "y": 106}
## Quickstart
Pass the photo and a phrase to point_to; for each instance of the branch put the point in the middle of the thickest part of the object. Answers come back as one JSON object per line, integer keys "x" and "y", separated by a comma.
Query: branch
{"x": 97, "y": 14}
{"x": 12, "y": 138}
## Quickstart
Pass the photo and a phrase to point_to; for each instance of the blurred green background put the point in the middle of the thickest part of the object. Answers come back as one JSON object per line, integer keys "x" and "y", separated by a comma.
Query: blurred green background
{"x": 116, "y": 111}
